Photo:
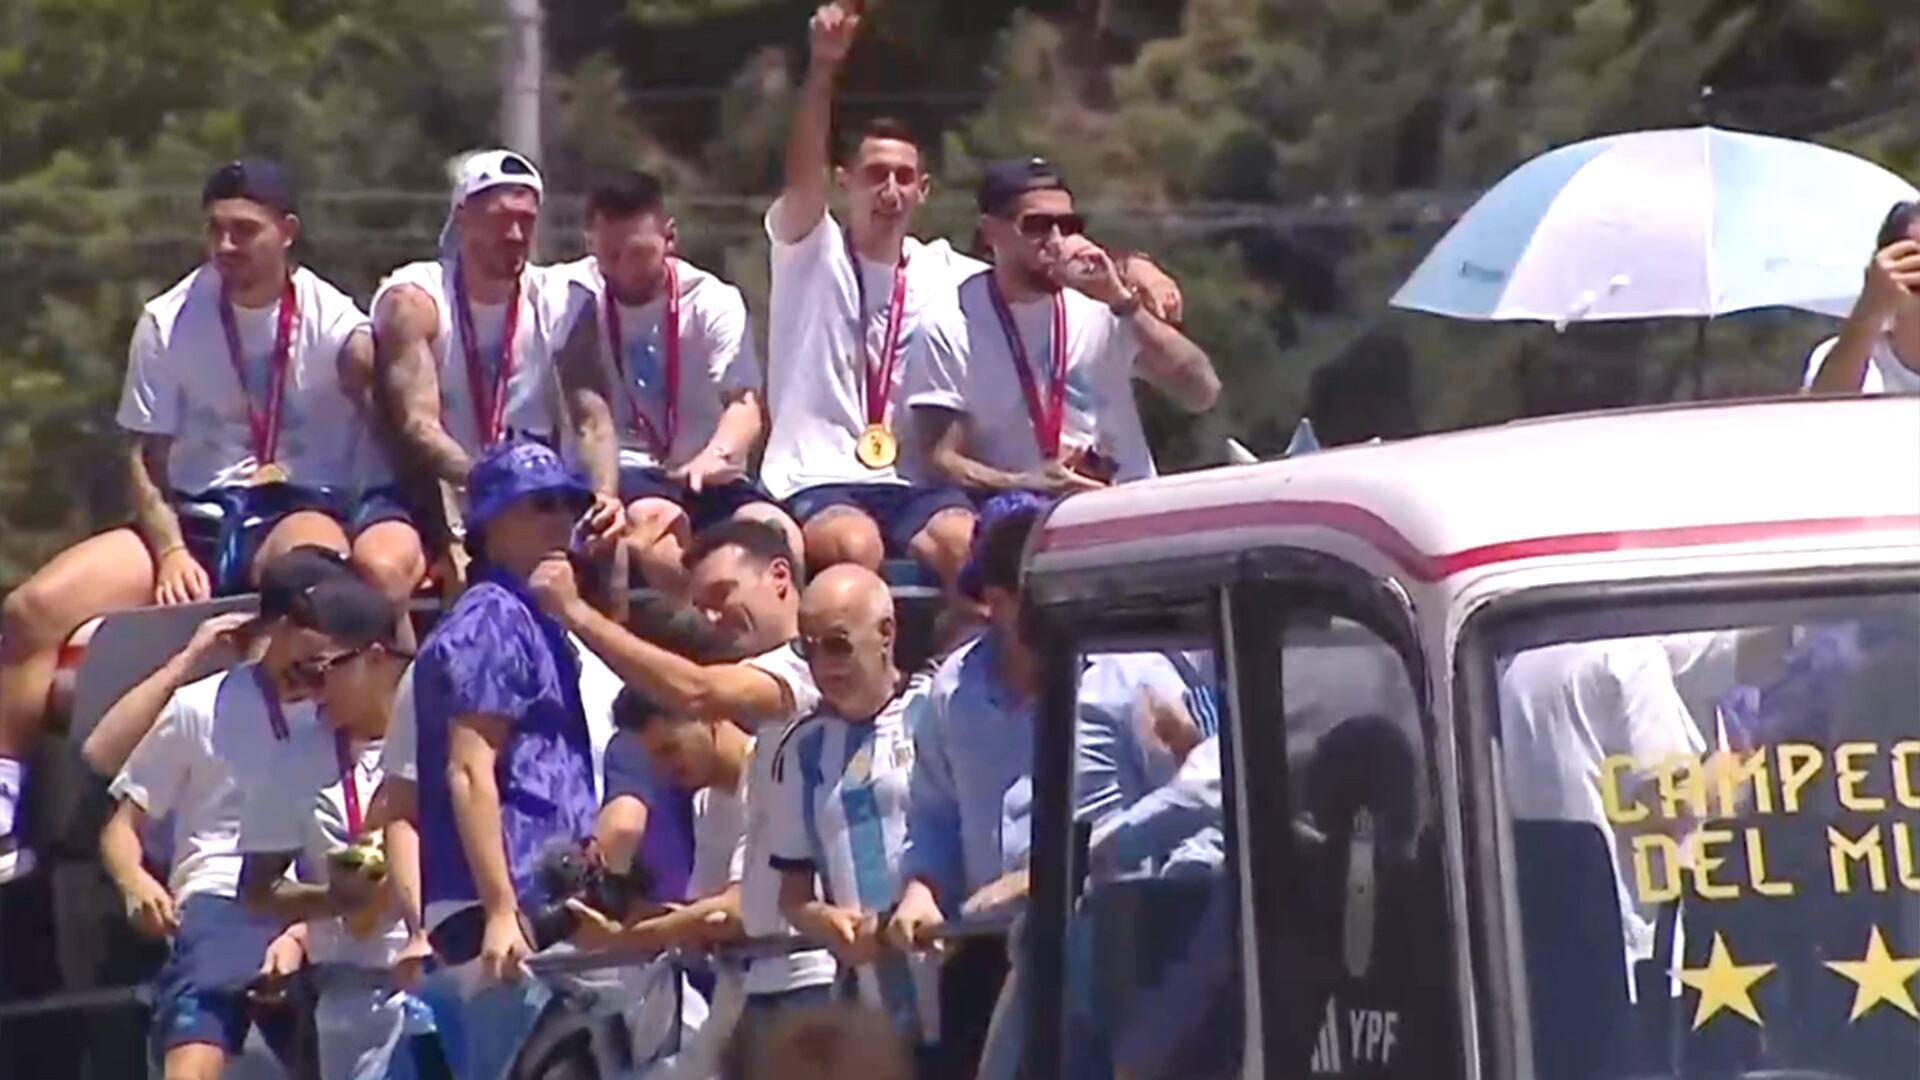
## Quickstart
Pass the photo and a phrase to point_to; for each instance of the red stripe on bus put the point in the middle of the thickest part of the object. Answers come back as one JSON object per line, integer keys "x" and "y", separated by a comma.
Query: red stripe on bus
{"x": 1371, "y": 529}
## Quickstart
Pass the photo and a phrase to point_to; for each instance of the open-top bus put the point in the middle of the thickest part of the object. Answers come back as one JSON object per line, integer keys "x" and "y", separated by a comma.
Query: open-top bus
{"x": 1576, "y": 749}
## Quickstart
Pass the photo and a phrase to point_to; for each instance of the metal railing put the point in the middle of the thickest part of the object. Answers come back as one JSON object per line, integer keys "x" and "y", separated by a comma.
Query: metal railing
{"x": 559, "y": 962}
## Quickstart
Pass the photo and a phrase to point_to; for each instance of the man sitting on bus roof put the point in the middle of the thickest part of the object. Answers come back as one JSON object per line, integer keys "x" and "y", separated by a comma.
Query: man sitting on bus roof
{"x": 1054, "y": 316}
{"x": 247, "y": 400}
{"x": 662, "y": 380}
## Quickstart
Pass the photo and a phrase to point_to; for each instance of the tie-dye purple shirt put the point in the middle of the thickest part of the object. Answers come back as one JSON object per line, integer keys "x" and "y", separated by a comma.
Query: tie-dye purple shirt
{"x": 494, "y": 654}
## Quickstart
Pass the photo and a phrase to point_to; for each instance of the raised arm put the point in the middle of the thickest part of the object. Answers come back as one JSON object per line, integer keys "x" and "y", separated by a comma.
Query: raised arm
{"x": 739, "y": 692}
{"x": 129, "y": 719}
{"x": 409, "y": 380}
{"x": 1893, "y": 272}
{"x": 803, "y": 195}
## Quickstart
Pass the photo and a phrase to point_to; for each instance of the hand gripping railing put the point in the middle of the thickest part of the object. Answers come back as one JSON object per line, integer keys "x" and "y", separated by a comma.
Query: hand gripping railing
{"x": 547, "y": 965}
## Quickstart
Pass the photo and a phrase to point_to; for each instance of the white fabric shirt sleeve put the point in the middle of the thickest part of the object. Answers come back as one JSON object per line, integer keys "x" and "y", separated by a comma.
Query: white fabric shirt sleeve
{"x": 824, "y": 232}
{"x": 1657, "y": 725}
{"x": 729, "y": 332}
{"x": 150, "y": 396}
{"x": 787, "y": 844}
{"x": 786, "y": 665}
{"x": 157, "y": 770}
{"x": 399, "y": 750}
{"x": 936, "y": 363}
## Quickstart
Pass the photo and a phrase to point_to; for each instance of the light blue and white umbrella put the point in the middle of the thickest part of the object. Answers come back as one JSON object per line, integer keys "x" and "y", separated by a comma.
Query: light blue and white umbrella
{"x": 1678, "y": 223}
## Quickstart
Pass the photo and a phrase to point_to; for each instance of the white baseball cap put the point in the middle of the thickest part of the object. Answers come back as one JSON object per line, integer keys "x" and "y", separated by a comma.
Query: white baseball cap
{"x": 484, "y": 170}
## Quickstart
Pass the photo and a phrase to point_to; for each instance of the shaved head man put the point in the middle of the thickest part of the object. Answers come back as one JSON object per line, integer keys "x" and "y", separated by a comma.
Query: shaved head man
{"x": 839, "y": 800}
{"x": 846, "y": 635}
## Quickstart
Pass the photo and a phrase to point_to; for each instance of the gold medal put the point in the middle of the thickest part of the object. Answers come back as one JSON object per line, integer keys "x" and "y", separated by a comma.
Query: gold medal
{"x": 877, "y": 448}
{"x": 271, "y": 472}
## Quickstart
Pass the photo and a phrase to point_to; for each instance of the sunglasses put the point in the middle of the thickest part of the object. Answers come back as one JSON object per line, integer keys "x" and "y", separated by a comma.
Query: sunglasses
{"x": 311, "y": 673}
{"x": 1040, "y": 226}
{"x": 836, "y": 646}
{"x": 878, "y": 173}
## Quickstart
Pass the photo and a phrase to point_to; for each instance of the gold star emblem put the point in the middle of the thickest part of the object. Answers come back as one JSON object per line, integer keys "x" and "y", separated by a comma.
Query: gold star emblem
{"x": 1724, "y": 984}
{"x": 1879, "y": 977}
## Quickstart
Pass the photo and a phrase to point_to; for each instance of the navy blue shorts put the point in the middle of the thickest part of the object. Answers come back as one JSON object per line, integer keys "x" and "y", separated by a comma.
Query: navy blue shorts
{"x": 711, "y": 506}
{"x": 224, "y": 528}
{"x": 200, "y": 994}
{"x": 900, "y": 510}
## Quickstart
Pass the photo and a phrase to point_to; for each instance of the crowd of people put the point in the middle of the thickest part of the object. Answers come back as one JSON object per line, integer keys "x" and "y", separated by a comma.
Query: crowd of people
{"x": 546, "y": 769}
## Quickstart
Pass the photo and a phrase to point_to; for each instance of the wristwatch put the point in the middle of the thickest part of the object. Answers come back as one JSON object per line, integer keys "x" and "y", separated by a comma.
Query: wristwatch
{"x": 1126, "y": 306}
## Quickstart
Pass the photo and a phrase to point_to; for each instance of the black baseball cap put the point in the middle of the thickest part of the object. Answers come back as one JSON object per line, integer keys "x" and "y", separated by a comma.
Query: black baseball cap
{"x": 348, "y": 610}
{"x": 284, "y": 580}
{"x": 1004, "y": 181}
{"x": 256, "y": 180}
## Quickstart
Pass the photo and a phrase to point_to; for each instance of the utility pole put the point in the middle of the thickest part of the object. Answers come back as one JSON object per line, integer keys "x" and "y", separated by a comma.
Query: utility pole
{"x": 521, "y": 77}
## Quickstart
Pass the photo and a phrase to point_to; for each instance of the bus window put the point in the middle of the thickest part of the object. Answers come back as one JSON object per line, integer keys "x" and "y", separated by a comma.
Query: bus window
{"x": 1370, "y": 976}
{"x": 1714, "y": 817}
{"x": 1155, "y": 971}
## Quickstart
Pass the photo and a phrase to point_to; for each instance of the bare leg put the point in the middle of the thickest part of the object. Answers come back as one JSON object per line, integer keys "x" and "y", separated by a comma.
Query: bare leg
{"x": 843, "y": 534}
{"x": 299, "y": 529}
{"x": 942, "y": 547}
{"x": 109, "y": 572}
{"x": 657, "y": 538}
{"x": 195, "y": 1061}
{"x": 390, "y": 556}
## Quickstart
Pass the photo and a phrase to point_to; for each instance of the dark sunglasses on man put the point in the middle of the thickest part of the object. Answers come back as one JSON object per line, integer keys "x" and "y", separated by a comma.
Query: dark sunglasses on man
{"x": 1040, "y": 226}
{"x": 312, "y": 672}
{"x": 834, "y": 646}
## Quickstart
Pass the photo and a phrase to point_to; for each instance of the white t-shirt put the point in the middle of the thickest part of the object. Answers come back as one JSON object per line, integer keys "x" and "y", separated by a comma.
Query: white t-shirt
{"x": 210, "y": 732}
{"x": 181, "y": 383}
{"x": 1565, "y": 709}
{"x": 963, "y": 362}
{"x": 1885, "y": 373}
{"x": 720, "y": 836}
{"x": 759, "y": 882}
{"x": 299, "y": 804}
{"x": 816, "y": 380}
{"x": 400, "y": 751}
{"x": 532, "y": 389}
{"x": 717, "y": 357}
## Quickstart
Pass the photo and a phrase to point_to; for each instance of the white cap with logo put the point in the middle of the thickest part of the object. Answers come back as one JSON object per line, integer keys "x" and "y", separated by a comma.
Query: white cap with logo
{"x": 484, "y": 170}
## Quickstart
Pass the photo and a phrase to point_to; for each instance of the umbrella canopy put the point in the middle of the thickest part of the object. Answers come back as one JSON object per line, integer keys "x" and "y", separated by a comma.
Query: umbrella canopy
{"x": 1679, "y": 223}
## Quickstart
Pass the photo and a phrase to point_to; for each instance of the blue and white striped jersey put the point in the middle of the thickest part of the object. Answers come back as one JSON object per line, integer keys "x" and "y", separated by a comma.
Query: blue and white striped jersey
{"x": 840, "y": 810}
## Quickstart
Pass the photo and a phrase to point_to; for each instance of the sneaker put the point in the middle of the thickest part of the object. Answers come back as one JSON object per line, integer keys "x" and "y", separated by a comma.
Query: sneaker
{"x": 16, "y": 859}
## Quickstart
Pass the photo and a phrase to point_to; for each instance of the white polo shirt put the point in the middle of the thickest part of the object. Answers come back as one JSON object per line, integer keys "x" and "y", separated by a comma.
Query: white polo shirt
{"x": 717, "y": 357}
{"x": 299, "y": 804}
{"x": 816, "y": 379}
{"x": 210, "y": 732}
{"x": 532, "y": 389}
{"x": 1885, "y": 373}
{"x": 181, "y": 382}
{"x": 964, "y": 362}
{"x": 759, "y": 881}
{"x": 720, "y": 836}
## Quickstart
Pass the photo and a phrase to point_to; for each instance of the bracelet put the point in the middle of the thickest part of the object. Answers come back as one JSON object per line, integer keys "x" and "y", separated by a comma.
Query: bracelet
{"x": 180, "y": 545}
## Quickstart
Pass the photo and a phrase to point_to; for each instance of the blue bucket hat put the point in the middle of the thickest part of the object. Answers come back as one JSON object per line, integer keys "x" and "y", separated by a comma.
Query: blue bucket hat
{"x": 514, "y": 470}
{"x": 999, "y": 510}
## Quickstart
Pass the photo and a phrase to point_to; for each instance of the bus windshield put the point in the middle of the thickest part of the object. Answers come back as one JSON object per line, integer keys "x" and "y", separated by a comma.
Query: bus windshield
{"x": 1713, "y": 821}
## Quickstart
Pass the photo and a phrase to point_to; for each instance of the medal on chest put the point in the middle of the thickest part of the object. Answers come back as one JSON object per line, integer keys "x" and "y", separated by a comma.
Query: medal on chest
{"x": 877, "y": 448}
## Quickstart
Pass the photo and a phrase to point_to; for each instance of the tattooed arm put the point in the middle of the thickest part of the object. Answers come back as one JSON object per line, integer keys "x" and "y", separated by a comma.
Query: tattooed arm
{"x": 406, "y": 322}
{"x": 178, "y": 576}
